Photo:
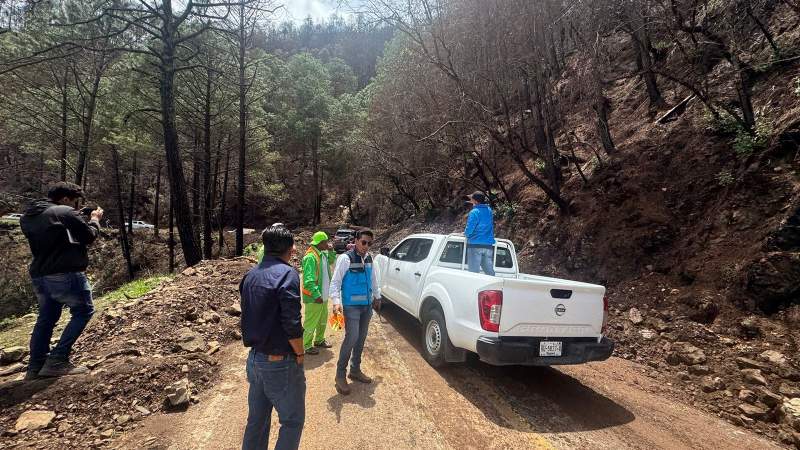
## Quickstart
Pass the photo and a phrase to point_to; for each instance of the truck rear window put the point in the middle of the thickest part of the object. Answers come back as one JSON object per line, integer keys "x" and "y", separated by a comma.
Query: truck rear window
{"x": 453, "y": 253}
{"x": 503, "y": 258}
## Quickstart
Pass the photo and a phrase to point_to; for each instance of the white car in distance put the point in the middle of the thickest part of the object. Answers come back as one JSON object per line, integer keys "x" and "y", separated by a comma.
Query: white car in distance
{"x": 139, "y": 225}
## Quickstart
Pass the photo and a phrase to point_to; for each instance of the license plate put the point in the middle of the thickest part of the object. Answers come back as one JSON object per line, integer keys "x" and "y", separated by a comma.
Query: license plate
{"x": 550, "y": 348}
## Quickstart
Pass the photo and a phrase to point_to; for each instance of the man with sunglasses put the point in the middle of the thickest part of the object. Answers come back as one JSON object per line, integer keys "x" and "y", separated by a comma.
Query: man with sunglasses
{"x": 59, "y": 236}
{"x": 353, "y": 289}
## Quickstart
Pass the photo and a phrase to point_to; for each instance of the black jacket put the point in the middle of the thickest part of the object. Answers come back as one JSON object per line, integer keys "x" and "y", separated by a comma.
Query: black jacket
{"x": 271, "y": 307}
{"x": 58, "y": 237}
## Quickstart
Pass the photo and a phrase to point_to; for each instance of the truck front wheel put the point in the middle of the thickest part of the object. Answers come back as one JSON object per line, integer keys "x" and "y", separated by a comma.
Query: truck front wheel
{"x": 434, "y": 337}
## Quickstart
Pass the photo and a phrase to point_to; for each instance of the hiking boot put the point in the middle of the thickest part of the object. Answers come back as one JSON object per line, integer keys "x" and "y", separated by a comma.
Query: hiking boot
{"x": 323, "y": 344}
{"x": 32, "y": 374}
{"x": 60, "y": 368}
{"x": 360, "y": 377}
{"x": 342, "y": 387}
{"x": 312, "y": 351}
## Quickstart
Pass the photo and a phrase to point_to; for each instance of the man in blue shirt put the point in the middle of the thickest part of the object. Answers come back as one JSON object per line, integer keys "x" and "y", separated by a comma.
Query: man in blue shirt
{"x": 271, "y": 327}
{"x": 480, "y": 235}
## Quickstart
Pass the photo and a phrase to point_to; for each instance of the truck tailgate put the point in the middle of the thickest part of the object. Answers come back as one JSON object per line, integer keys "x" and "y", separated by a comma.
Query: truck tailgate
{"x": 549, "y": 307}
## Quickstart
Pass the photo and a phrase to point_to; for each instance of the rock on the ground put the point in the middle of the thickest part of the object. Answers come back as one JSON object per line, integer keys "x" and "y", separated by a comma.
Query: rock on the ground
{"x": 753, "y": 411}
{"x": 213, "y": 347}
{"x": 788, "y": 437}
{"x": 190, "y": 341}
{"x": 189, "y": 271}
{"x": 712, "y": 384}
{"x": 123, "y": 419}
{"x": 774, "y": 279}
{"x": 789, "y": 413}
{"x": 635, "y": 316}
{"x": 774, "y": 357}
{"x": 34, "y": 420}
{"x": 12, "y": 369}
{"x": 750, "y": 327}
{"x": 13, "y": 354}
{"x": 754, "y": 376}
{"x": 684, "y": 352}
{"x": 768, "y": 397}
{"x": 178, "y": 393}
{"x": 648, "y": 334}
{"x": 699, "y": 370}
{"x": 747, "y": 363}
{"x": 210, "y": 317}
{"x": 235, "y": 309}
{"x": 747, "y": 396}
{"x": 789, "y": 390}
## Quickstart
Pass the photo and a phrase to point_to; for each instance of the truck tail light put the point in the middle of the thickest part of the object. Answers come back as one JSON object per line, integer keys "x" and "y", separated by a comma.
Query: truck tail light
{"x": 605, "y": 315}
{"x": 490, "y": 304}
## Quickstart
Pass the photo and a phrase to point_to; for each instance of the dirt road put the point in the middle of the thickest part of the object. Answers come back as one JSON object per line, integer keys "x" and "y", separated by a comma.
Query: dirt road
{"x": 410, "y": 405}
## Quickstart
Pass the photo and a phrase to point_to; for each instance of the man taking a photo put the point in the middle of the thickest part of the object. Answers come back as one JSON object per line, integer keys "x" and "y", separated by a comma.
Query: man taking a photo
{"x": 271, "y": 328}
{"x": 59, "y": 236}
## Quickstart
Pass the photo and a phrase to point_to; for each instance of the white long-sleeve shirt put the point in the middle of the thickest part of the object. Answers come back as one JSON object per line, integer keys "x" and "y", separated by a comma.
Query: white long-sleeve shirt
{"x": 342, "y": 266}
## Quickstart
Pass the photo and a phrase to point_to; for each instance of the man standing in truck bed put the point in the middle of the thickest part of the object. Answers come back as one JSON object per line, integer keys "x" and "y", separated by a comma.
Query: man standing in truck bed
{"x": 480, "y": 235}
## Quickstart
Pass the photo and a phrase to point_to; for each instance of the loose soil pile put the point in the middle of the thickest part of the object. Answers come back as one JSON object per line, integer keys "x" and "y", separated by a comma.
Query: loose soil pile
{"x": 136, "y": 350}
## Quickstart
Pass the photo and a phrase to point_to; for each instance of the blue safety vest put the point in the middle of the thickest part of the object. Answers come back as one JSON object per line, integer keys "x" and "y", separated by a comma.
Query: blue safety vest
{"x": 357, "y": 282}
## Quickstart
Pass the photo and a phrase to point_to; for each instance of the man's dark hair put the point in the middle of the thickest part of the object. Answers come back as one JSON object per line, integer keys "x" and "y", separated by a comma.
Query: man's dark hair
{"x": 277, "y": 241}
{"x": 63, "y": 189}
{"x": 479, "y": 197}
{"x": 364, "y": 232}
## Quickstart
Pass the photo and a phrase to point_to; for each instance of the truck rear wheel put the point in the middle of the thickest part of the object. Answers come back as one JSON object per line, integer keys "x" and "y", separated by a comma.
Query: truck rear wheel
{"x": 434, "y": 337}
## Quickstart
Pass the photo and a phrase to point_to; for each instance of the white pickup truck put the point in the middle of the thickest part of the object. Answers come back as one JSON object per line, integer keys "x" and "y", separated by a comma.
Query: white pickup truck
{"x": 509, "y": 318}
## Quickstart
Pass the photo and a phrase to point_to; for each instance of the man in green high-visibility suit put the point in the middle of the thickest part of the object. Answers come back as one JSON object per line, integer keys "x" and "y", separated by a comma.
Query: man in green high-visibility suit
{"x": 317, "y": 270}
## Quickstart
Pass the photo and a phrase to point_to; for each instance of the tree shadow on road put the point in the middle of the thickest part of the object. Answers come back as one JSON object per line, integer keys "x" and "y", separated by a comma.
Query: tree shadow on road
{"x": 360, "y": 394}
{"x": 548, "y": 400}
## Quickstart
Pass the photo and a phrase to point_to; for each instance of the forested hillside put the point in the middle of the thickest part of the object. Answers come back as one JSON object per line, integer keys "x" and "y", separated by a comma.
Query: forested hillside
{"x": 228, "y": 115}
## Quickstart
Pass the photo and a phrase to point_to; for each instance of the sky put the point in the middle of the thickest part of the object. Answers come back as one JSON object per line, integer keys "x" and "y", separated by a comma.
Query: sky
{"x": 298, "y": 10}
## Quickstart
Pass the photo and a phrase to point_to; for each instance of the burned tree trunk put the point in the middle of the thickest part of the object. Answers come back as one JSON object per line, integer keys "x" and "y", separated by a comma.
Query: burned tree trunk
{"x": 157, "y": 201}
{"x": 123, "y": 235}
{"x": 132, "y": 196}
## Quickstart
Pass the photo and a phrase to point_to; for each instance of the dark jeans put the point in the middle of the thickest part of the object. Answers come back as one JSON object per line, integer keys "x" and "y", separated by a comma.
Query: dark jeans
{"x": 54, "y": 292}
{"x": 356, "y": 326}
{"x": 280, "y": 385}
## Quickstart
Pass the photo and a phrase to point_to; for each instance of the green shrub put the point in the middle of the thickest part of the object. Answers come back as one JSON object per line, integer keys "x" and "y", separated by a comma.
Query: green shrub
{"x": 506, "y": 210}
{"x": 135, "y": 288}
{"x": 252, "y": 249}
{"x": 724, "y": 124}
{"x": 746, "y": 143}
{"x": 725, "y": 178}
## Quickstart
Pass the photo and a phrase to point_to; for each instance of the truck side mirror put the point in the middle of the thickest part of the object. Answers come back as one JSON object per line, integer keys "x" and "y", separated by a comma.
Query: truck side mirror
{"x": 385, "y": 251}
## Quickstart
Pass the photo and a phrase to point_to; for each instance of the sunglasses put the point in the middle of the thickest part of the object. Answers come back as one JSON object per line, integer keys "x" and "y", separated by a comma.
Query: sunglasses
{"x": 367, "y": 243}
